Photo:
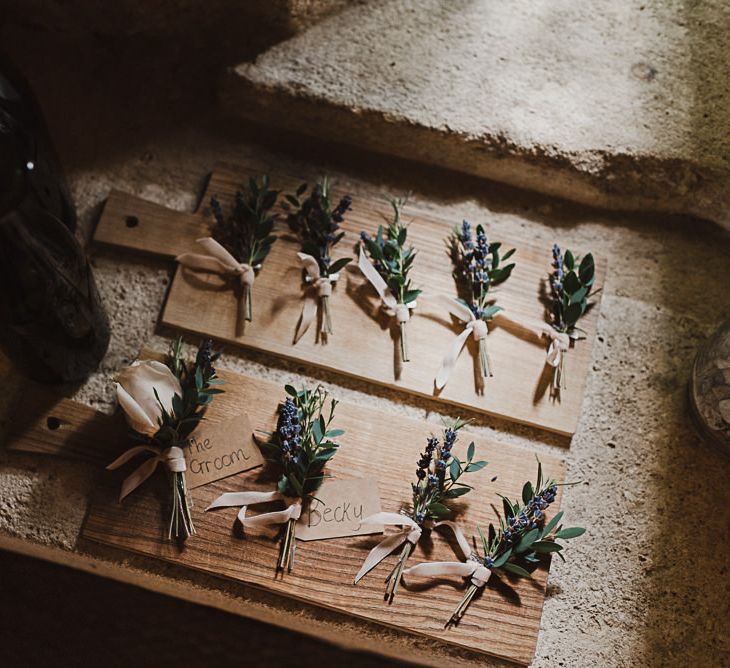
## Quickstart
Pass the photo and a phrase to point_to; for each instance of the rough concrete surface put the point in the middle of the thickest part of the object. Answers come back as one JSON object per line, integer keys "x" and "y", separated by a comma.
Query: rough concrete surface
{"x": 622, "y": 105}
{"x": 648, "y": 585}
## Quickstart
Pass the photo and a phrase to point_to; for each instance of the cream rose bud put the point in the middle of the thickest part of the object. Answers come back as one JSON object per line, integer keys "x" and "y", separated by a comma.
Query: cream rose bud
{"x": 136, "y": 387}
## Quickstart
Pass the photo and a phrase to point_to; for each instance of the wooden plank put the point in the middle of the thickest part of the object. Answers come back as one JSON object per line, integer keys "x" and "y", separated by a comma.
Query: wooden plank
{"x": 364, "y": 344}
{"x": 130, "y": 222}
{"x": 503, "y": 622}
{"x": 43, "y": 423}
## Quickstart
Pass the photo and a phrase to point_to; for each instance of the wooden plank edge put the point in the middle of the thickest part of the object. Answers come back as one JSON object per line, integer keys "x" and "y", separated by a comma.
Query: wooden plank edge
{"x": 249, "y": 602}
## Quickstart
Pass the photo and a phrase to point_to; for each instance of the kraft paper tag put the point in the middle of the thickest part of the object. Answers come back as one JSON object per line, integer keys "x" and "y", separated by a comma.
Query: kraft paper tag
{"x": 339, "y": 509}
{"x": 218, "y": 450}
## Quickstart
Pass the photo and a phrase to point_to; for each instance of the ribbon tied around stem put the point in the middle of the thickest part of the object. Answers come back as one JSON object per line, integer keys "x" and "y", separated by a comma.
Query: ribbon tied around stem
{"x": 390, "y": 304}
{"x": 173, "y": 459}
{"x": 472, "y": 325}
{"x": 244, "y": 499}
{"x": 411, "y": 532}
{"x": 217, "y": 260}
{"x": 317, "y": 289}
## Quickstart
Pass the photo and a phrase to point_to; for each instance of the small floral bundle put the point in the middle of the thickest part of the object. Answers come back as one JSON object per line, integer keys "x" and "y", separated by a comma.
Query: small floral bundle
{"x": 317, "y": 224}
{"x": 391, "y": 263}
{"x": 163, "y": 403}
{"x": 477, "y": 268}
{"x": 240, "y": 242}
{"x": 301, "y": 446}
{"x": 522, "y": 540}
{"x": 570, "y": 284}
{"x": 438, "y": 480}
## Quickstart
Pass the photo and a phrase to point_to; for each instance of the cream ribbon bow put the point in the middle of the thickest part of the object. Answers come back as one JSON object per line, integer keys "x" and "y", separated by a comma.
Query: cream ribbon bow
{"x": 217, "y": 260}
{"x": 389, "y": 303}
{"x": 473, "y": 325}
{"x": 173, "y": 458}
{"x": 410, "y": 533}
{"x": 472, "y": 569}
{"x": 245, "y": 499}
{"x": 559, "y": 341}
{"x": 318, "y": 286}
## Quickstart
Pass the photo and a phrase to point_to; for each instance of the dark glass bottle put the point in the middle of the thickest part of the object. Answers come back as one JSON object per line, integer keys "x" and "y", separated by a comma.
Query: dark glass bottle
{"x": 52, "y": 323}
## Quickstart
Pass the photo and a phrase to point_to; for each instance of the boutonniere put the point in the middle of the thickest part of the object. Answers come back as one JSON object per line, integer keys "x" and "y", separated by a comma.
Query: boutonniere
{"x": 522, "y": 540}
{"x": 301, "y": 446}
{"x": 388, "y": 272}
{"x": 438, "y": 480}
{"x": 478, "y": 267}
{"x": 239, "y": 244}
{"x": 163, "y": 403}
{"x": 317, "y": 224}
{"x": 570, "y": 283}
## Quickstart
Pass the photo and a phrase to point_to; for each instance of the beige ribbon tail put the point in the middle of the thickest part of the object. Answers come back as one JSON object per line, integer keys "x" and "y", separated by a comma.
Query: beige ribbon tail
{"x": 458, "y": 534}
{"x": 245, "y": 499}
{"x": 411, "y": 533}
{"x": 173, "y": 458}
{"x": 559, "y": 341}
{"x": 477, "y": 328}
{"x": 449, "y": 361}
{"x": 479, "y": 575}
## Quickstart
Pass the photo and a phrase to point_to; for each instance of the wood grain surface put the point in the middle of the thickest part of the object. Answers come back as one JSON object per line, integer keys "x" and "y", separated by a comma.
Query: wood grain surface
{"x": 365, "y": 343}
{"x": 43, "y": 423}
{"x": 504, "y": 621}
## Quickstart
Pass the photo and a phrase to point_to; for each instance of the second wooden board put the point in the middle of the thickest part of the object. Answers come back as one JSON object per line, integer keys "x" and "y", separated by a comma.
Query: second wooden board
{"x": 365, "y": 339}
{"x": 503, "y": 621}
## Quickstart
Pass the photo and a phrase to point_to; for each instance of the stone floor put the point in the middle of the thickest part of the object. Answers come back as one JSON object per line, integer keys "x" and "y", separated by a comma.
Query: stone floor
{"x": 622, "y": 105}
{"x": 650, "y": 582}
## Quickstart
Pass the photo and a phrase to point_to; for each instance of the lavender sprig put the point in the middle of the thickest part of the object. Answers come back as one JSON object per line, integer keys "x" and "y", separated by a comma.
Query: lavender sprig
{"x": 302, "y": 445}
{"x": 570, "y": 287}
{"x": 317, "y": 224}
{"x": 246, "y": 232}
{"x": 523, "y": 538}
{"x": 393, "y": 261}
{"x": 478, "y": 268}
{"x": 438, "y": 475}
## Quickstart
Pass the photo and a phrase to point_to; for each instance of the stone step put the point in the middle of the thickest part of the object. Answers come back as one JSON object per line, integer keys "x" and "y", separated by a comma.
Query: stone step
{"x": 618, "y": 105}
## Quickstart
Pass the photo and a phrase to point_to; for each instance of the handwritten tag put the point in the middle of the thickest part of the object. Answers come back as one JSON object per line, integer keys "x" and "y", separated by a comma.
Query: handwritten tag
{"x": 217, "y": 450}
{"x": 339, "y": 509}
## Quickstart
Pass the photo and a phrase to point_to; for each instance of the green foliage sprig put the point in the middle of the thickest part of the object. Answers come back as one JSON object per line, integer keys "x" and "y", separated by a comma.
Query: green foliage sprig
{"x": 302, "y": 445}
{"x": 317, "y": 224}
{"x": 438, "y": 474}
{"x": 246, "y": 233}
{"x": 571, "y": 285}
{"x": 523, "y": 538}
{"x": 478, "y": 267}
{"x": 393, "y": 261}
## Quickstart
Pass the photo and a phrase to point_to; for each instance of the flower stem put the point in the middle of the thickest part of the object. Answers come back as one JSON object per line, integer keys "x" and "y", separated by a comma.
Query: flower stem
{"x": 404, "y": 343}
{"x": 485, "y": 364}
{"x": 288, "y": 547}
{"x": 248, "y": 300}
{"x": 559, "y": 376}
{"x": 394, "y": 578}
{"x": 181, "y": 521}
{"x": 326, "y": 315}
{"x": 463, "y": 605}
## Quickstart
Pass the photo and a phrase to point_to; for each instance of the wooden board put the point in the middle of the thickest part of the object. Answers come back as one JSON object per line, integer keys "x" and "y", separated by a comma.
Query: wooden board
{"x": 45, "y": 424}
{"x": 364, "y": 344}
{"x": 503, "y": 622}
